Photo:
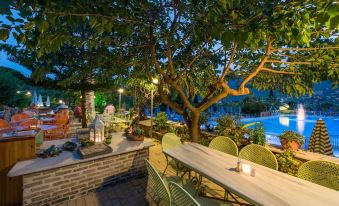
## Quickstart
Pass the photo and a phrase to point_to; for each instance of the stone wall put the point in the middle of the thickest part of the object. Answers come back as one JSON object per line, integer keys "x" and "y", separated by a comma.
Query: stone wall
{"x": 63, "y": 184}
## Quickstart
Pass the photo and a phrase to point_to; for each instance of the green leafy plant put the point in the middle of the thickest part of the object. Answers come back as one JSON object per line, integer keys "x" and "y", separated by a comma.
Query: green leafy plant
{"x": 160, "y": 121}
{"x": 291, "y": 136}
{"x": 257, "y": 134}
{"x": 138, "y": 131}
{"x": 288, "y": 163}
{"x": 232, "y": 128}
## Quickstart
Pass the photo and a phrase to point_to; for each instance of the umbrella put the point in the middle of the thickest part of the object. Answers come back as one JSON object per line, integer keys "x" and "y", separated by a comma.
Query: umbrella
{"x": 34, "y": 99}
{"x": 40, "y": 103}
{"x": 320, "y": 141}
{"x": 48, "y": 102}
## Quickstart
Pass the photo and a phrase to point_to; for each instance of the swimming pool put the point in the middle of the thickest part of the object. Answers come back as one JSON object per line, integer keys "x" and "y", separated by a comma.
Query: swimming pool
{"x": 275, "y": 125}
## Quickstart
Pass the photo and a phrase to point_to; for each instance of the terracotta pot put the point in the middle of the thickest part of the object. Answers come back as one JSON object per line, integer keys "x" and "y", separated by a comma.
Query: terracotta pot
{"x": 290, "y": 145}
{"x": 132, "y": 137}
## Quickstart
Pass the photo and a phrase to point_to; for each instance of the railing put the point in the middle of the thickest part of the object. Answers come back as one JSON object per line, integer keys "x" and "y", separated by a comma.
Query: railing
{"x": 334, "y": 139}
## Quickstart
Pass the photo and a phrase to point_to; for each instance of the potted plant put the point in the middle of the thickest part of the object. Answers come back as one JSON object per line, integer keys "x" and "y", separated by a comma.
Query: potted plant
{"x": 291, "y": 140}
{"x": 161, "y": 122}
{"x": 135, "y": 134}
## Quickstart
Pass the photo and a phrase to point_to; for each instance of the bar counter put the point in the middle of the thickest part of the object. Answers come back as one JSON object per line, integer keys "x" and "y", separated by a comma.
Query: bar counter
{"x": 66, "y": 176}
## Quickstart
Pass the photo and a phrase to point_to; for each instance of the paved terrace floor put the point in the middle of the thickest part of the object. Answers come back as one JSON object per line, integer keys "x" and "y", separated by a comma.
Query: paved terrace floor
{"x": 135, "y": 191}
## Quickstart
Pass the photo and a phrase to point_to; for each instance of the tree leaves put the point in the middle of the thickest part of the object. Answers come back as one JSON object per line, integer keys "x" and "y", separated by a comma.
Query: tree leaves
{"x": 4, "y": 34}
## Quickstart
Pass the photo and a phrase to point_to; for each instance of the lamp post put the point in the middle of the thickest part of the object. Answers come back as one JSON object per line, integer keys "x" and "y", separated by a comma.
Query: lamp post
{"x": 154, "y": 82}
{"x": 121, "y": 90}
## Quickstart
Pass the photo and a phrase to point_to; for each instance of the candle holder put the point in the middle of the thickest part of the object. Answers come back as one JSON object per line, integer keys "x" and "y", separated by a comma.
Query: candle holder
{"x": 244, "y": 168}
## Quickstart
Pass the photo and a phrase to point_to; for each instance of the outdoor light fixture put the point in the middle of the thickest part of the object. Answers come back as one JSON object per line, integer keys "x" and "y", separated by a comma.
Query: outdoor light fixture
{"x": 60, "y": 101}
{"x": 121, "y": 90}
{"x": 97, "y": 130}
{"x": 18, "y": 92}
{"x": 155, "y": 80}
{"x": 28, "y": 93}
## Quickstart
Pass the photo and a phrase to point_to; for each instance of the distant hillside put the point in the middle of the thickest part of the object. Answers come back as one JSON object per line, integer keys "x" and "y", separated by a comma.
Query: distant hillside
{"x": 16, "y": 74}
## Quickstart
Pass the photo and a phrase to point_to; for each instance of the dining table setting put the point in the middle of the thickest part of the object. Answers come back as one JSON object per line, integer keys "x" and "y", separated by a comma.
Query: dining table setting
{"x": 254, "y": 183}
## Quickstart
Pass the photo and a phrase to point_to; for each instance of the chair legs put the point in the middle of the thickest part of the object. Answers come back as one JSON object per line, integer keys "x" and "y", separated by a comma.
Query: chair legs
{"x": 167, "y": 163}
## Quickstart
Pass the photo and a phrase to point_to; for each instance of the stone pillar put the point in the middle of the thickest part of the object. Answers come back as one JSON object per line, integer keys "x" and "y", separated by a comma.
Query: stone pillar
{"x": 90, "y": 107}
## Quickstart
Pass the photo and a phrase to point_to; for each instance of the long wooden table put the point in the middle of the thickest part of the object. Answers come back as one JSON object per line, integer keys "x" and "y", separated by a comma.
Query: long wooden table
{"x": 268, "y": 187}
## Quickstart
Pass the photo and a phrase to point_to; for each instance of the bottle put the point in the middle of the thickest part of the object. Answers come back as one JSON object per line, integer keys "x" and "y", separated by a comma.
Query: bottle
{"x": 253, "y": 172}
{"x": 238, "y": 169}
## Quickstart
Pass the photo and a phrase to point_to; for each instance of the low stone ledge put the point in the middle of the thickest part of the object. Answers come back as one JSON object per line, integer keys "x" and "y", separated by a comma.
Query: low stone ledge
{"x": 56, "y": 185}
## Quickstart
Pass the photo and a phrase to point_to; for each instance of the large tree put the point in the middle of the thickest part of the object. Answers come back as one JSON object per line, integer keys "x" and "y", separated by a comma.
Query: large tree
{"x": 59, "y": 58}
{"x": 197, "y": 47}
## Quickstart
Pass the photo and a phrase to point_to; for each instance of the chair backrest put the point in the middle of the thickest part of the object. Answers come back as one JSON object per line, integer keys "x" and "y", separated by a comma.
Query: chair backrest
{"x": 64, "y": 112}
{"x": 170, "y": 140}
{"x": 19, "y": 117}
{"x": 180, "y": 196}
{"x": 260, "y": 155}
{"x": 61, "y": 118}
{"x": 224, "y": 144}
{"x": 4, "y": 124}
{"x": 320, "y": 172}
{"x": 157, "y": 184}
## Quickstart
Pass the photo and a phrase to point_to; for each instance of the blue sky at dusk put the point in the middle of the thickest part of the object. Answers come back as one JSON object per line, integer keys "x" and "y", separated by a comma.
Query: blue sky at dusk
{"x": 3, "y": 55}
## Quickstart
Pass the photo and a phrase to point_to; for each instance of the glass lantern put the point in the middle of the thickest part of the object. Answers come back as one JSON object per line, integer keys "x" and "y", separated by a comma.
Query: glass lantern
{"x": 97, "y": 130}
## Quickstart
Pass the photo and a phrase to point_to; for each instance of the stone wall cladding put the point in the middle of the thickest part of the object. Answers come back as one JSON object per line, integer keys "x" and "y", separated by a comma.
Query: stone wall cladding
{"x": 65, "y": 183}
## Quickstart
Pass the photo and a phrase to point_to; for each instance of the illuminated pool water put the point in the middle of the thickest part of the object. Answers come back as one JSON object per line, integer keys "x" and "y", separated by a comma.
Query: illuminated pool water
{"x": 276, "y": 125}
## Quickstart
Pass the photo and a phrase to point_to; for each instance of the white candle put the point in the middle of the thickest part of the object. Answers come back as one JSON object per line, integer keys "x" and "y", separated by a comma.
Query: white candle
{"x": 246, "y": 168}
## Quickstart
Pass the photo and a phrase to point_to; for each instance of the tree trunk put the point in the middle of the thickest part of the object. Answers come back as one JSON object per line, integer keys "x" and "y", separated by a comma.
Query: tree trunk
{"x": 192, "y": 122}
{"x": 90, "y": 107}
{"x": 135, "y": 99}
{"x": 83, "y": 109}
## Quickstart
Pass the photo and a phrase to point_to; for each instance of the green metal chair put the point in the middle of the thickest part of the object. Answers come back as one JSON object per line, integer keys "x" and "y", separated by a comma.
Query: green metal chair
{"x": 224, "y": 144}
{"x": 260, "y": 155}
{"x": 181, "y": 197}
{"x": 159, "y": 185}
{"x": 170, "y": 140}
{"x": 320, "y": 172}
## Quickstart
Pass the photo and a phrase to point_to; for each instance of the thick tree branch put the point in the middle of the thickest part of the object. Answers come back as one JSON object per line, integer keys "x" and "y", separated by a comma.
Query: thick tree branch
{"x": 260, "y": 66}
{"x": 278, "y": 72}
{"x": 166, "y": 100}
{"x": 227, "y": 66}
{"x": 169, "y": 81}
{"x": 282, "y": 62}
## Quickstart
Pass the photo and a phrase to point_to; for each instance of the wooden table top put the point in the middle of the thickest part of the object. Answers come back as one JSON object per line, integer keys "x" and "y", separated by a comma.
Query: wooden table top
{"x": 21, "y": 135}
{"x": 268, "y": 187}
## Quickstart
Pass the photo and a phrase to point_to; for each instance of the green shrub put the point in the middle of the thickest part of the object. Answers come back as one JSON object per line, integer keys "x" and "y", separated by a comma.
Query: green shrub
{"x": 288, "y": 163}
{"x": 160, "y": 121}
{"x": 232, "y": 128}
{"x": 257, "y": 134}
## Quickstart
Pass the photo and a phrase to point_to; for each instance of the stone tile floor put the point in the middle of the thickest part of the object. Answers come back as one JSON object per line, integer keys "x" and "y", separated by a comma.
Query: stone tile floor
{"x": 135, "y": 191}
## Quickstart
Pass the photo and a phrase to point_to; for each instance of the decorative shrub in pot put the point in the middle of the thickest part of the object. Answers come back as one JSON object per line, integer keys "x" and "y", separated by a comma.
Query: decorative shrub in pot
{"x": 134, "y": 132}
{"x": 160, "y": 122}
{"x": 291, "y": 140}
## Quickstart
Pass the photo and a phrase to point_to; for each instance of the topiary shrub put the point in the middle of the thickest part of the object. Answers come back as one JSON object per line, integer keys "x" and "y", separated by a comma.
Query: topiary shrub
{"x": 160, "y": 122}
